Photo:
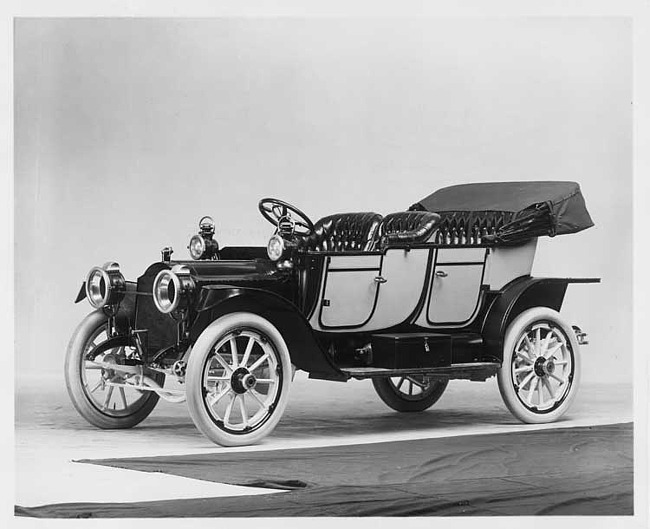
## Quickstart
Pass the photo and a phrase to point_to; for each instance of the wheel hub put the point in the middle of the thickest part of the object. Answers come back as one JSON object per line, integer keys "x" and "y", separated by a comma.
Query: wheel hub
{"x": 179, "y": 368}
{"x": 109, "y": 358}
{"x": 242, "y": 380}
{"x": 544, "y": 367}
{"x": 549, "y": 367}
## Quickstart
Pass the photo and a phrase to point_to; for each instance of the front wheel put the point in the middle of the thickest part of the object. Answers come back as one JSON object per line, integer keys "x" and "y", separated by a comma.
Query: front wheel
{"x": 409, "y": 393}
{"x": 238, "y": 378}
{"x": 539, "y": 376}
{"x": 103, "y": 396}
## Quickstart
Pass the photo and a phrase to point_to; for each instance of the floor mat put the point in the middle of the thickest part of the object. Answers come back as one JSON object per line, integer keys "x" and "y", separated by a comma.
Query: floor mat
{"x": 585, "y": 470}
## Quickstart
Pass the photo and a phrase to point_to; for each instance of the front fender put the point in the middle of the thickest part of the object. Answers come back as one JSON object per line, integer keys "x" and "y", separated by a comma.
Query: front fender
{"x": 518, "y": 296}
{"x": 126, "y": 309}
{"x": 82, "y": 293}
{"x": 111, "y": 343}
{"x": 306, "y": 353}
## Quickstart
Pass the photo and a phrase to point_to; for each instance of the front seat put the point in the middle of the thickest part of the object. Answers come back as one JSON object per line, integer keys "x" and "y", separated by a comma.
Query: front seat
{"x": 407, "y": 227}
{"x": 344, "y": 232}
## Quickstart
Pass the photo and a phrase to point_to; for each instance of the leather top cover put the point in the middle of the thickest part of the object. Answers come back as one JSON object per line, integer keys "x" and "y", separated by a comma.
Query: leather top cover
{"x": 527, "y": 209}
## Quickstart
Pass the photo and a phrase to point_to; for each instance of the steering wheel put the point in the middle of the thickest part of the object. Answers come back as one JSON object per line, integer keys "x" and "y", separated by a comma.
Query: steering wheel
{"x": 273, "y": 210}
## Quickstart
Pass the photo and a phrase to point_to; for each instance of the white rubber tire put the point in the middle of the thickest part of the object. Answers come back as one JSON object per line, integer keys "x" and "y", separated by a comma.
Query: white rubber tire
{"x": 507, "y": 388}
{"x": 198, "y": 358}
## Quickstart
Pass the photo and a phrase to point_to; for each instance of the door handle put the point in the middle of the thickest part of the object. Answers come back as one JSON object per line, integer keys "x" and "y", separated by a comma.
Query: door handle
{"x": 380, "y": 279}
{"x": 441, "y": 273}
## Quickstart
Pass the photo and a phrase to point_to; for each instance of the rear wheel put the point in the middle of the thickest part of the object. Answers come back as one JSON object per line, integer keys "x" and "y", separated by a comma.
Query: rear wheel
{"x": 100, "y": 394}
{"x": 539, "y": 376}
{"x": 409, "y": 393}
{"x": 238, "y": 378}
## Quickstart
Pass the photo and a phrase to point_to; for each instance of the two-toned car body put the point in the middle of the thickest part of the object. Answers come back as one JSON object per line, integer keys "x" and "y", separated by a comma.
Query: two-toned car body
{"x": 409, "y": 300}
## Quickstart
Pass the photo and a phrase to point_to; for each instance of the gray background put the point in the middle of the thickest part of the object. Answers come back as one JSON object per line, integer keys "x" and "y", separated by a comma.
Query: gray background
{"x": 127, "y": 131}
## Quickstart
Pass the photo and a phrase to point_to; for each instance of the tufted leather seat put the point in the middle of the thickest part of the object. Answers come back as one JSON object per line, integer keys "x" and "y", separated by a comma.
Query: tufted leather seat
{"x": 344, "y": 232}
{"x": 407, "y": 227}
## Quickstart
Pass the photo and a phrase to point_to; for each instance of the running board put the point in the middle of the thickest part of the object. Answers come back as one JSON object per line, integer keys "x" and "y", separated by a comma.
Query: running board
{"x": 472, "y": 371}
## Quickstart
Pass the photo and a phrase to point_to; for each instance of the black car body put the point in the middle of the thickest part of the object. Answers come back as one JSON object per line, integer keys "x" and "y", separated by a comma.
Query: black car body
{"x": 410, "y": 300}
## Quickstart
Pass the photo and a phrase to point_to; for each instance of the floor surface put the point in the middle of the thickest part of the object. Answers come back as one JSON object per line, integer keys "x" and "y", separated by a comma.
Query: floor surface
{"x": 50, "y": 436}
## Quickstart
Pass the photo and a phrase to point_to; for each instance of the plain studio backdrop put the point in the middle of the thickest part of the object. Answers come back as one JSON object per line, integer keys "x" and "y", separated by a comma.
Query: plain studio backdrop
{"x": 127, "y": 131}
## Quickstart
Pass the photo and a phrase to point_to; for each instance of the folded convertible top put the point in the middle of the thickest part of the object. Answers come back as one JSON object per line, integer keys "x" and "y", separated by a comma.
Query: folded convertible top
{"x": 511, "y": 212}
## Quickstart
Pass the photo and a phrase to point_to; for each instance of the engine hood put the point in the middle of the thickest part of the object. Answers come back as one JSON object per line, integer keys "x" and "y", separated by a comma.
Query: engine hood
{"x": 231, "y": 270}
{"x": 224, "y": 271}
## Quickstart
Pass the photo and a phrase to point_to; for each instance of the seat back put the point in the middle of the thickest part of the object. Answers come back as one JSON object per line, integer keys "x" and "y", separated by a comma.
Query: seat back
{"x": 471, "y": 228}
{"x": 407, "y": 227}
{"x": 344, "y": 232}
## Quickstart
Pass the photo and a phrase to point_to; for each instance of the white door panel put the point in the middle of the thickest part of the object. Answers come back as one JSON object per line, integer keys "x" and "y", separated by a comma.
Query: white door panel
{"x": 348, "y": 298}
{"x": 349, "y": 291}
{"x": 454, "y": 293}
{"x": 405, "y": 275}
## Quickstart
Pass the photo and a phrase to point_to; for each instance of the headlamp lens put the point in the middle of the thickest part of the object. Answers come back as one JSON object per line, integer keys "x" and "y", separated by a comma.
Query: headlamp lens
{"x": 275, "y": 248}
{"x": 97, "y": 288}
{"x": 105, "y": 285}
{"x": 165, "y": 288}
{"x": 197, "y": 247}
{"x": 172, "y": 289}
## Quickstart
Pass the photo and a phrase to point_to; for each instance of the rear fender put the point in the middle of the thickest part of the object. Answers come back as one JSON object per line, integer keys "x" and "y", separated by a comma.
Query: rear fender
{"x": 306, "y": 354}
{"x": 518, "y": 296}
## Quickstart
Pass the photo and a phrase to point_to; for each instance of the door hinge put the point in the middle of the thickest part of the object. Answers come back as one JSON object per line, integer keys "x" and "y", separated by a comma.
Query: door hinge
{"x": 326, "y": 302}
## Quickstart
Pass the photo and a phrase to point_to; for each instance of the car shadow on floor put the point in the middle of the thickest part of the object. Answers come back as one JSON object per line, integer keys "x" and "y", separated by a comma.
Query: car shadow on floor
{"x": 327, "y": 427}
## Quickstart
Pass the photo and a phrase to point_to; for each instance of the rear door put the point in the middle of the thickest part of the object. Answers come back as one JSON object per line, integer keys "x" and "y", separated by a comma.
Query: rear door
{"x": 455, "y": 287}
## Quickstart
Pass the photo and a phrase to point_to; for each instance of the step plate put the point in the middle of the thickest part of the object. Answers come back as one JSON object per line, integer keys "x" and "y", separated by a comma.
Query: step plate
{"x": 473, "y": 371}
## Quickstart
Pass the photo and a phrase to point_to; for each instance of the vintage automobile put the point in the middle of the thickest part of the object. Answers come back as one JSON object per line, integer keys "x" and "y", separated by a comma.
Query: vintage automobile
{"x": 409, "y": 300}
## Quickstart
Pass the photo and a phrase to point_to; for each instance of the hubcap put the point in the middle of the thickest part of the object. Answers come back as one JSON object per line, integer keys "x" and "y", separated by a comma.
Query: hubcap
{"x": 242, "y": 380}
{"x": 542, "y": 367}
